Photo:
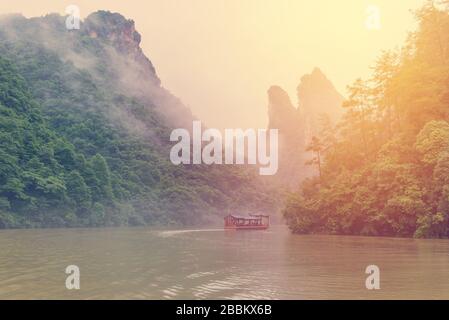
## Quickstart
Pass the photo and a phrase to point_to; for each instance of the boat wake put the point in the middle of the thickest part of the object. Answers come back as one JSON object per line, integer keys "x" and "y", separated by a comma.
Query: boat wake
{"x": 170, "y": 233}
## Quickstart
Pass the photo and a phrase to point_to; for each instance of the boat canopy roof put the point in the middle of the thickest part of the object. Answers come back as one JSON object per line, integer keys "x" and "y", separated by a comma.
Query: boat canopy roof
{"x": 250, "y": 217}
{"x": 260, "y": 215}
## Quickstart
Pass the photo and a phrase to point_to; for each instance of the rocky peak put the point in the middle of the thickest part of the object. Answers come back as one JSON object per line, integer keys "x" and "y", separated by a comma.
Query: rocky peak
{"x": 281, "y": 112}
{"x": 286, "y": 118}
{"x": 317, "y": 95}
{"x": 121, "y": 32}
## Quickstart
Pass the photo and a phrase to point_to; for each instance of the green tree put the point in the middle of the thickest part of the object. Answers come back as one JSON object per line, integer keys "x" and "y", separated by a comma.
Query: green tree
{"x": 78, "y": 191}
{"x": 103, "y": 178}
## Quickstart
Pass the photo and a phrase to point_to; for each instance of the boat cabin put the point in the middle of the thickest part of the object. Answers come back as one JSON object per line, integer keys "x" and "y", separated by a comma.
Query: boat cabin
{"x": 253, "y": 221}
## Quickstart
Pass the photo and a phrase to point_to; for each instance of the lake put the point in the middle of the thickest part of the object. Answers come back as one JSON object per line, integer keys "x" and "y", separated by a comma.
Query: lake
{"x": 143, "y": 263}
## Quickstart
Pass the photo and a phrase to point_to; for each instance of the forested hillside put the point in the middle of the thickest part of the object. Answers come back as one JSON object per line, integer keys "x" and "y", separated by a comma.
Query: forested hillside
{"x": 85, "y": 127}
{"x": 384, "y": 169}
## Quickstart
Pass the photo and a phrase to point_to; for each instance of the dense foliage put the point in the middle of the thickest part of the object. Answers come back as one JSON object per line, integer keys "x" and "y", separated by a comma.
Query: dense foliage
{"x": 384, "y": 169}
{"x": 76, "y": 150}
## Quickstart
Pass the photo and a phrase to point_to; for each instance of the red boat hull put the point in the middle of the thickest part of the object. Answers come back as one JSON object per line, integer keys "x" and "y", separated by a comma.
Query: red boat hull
{"x": 246, "y": 227}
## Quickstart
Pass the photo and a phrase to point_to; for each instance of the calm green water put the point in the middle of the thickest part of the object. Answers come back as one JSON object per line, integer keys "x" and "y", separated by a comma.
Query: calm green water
{"x": 140, "y": 263}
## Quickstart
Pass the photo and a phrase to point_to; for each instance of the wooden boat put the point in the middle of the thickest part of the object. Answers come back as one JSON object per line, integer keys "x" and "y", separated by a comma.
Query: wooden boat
{"x": 251, "y": 222}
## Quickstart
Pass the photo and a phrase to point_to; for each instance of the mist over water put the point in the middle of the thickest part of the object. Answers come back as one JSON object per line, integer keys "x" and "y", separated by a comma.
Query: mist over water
{"x": 143, "y": 263}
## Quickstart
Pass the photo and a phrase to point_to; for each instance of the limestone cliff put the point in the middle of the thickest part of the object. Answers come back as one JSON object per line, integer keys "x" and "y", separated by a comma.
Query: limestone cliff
{"x": 317, "y": 96}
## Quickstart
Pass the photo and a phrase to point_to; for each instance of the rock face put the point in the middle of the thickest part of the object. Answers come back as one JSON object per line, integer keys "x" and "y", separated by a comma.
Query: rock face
{"x": 132, "y": 69}
{"x": 288, "y": 120}
{"x": 282, "y": 113}
{"x": 317, "y": 96}
{"x": 122, "y": 34}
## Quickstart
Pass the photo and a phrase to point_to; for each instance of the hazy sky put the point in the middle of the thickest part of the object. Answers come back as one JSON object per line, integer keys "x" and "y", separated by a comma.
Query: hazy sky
{"x": 221, "y": 56}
